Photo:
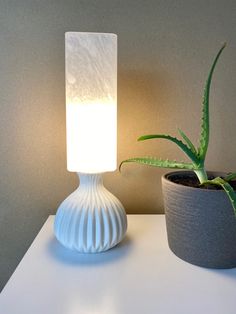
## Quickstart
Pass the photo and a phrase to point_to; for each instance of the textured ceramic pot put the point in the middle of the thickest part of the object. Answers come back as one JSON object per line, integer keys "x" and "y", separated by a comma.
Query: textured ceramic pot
{"x": 201, "y": 226}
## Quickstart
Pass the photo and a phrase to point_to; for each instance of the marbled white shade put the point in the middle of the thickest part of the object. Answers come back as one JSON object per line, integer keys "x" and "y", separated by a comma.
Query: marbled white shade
{"x": 91, "y": 109}
{"x": 91, "y": 67}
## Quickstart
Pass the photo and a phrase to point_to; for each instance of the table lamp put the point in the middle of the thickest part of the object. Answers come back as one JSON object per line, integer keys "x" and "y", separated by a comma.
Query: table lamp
{"x": 91, "y": 219}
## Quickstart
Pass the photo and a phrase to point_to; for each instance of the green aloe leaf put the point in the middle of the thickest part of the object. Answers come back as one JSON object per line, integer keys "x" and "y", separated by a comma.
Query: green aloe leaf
{"x": 204, "y": 138}
{"x": 188, "y": 141}
{"x": 155, "y": 162}
{"x": 228, "y": 189}
{"x": 178, "y": 142}
{"x": 230, "y": 177}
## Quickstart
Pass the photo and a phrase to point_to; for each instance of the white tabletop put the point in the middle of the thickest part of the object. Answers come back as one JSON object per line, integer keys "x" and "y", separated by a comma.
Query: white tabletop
{"x": 141, "y": 275}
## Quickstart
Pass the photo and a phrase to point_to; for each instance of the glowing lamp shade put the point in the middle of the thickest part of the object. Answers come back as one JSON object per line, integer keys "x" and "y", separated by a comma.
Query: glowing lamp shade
{"x": 91, "y": 219}
{"x": 91, "y": 106}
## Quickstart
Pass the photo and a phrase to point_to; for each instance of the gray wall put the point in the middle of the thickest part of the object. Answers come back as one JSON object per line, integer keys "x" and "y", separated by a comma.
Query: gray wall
{"x": 165, "y": 50}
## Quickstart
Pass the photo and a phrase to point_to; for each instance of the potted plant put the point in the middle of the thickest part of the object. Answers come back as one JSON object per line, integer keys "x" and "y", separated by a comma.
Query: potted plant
{"x": 200, "y": 206}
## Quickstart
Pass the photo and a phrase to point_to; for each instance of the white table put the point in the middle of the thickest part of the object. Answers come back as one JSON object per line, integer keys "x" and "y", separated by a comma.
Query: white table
{"x": 141, "y": 275}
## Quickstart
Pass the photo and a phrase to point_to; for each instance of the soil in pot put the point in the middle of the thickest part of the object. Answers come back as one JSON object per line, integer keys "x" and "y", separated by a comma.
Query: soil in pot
{"x": 192, "y": 181}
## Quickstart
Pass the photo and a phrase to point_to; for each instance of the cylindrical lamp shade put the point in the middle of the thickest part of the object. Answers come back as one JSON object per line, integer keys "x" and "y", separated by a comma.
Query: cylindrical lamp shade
{"x": 91, "y": 105}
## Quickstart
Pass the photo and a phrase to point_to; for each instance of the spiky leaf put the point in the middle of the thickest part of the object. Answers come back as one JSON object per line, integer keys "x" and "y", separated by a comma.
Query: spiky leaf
{"x": 228, "y": 189}
{"x": 230, "y": 177}
{"x": 188, "y": 141}
{"x": 204, "y": 138}
{"x": 155, "y": 162}
{"x": 178, "y": 142}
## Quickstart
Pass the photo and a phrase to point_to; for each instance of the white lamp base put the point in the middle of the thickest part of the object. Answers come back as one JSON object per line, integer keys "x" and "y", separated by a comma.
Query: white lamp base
{"x": 91, "y": 219}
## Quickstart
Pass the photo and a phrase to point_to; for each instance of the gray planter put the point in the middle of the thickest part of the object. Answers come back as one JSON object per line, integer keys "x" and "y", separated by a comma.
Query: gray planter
{"x": 201, "y": 226}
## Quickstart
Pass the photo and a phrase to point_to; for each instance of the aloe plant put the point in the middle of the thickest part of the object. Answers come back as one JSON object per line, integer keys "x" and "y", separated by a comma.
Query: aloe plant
{"x": 196, "y": 155}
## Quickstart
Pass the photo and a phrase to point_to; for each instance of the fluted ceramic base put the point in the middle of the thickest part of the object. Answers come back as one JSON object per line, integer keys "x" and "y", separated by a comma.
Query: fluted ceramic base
{"x": 91, "y": 219}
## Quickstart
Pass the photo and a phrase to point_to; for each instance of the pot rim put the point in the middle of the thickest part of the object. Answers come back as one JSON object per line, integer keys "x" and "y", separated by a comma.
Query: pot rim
{"x": 217, "y": 173}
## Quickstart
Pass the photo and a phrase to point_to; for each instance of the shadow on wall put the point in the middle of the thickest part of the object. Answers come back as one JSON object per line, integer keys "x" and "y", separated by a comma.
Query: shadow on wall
{"x": 142, "y": 98}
